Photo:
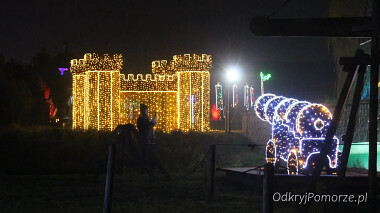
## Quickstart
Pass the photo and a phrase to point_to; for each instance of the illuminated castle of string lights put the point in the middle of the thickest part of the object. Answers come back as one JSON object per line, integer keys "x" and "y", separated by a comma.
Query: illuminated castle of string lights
{"x": 178, "y": 91}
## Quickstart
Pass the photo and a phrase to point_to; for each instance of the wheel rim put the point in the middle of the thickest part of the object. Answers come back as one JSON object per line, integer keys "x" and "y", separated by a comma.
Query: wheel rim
{"x": 292, "y": 163}
{"x": 271, "y": 153}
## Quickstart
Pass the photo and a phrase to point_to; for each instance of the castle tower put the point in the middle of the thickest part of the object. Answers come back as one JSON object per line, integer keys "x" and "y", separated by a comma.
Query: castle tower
{"x": 193, "y": 91}
{"x": 96, "y": 91}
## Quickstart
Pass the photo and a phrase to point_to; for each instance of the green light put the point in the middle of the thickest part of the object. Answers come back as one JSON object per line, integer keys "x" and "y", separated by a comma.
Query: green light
{"x": 359, "y": 155}
{"x": 265, "y": 77}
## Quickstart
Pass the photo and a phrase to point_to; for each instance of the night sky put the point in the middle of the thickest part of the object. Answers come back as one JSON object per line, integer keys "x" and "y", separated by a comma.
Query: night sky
{"x": 144, "y": 31}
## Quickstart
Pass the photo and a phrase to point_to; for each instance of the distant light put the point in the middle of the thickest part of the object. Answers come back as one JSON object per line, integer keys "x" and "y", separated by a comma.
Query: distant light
{"x": 62, "y": 70}
{"x": 233, "y": 73}
{"x": 265, "y": 77}
{"x": 215, "y": 113}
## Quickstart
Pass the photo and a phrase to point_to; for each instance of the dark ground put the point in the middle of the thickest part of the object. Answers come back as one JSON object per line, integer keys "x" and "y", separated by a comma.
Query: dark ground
{"x": 54, "y": 170}
{"x": 133, "y": 193}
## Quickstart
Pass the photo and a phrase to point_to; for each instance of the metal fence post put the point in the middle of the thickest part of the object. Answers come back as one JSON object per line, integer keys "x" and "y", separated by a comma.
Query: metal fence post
{"x": 210, "y": 172}
{"x": 109, "y": 179}
{"x": 268, "y": 188}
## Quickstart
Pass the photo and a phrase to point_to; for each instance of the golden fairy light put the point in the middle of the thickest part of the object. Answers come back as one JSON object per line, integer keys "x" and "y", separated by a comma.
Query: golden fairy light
{"x": 179, "y": 92}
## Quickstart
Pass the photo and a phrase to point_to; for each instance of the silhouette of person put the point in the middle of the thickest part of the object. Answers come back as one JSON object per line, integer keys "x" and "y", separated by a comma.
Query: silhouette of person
{"x": 145, "y": 126}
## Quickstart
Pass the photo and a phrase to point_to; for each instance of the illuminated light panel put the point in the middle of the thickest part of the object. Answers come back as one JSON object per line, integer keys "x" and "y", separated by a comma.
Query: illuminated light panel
{"x": 298, "y": 129}
{"x": 219, "y": 96}
{"x": 252, "y": 95}
{"x": 234, "y": 95}
{"x": 103, "y": 98}
{"x": 246, "y": 97}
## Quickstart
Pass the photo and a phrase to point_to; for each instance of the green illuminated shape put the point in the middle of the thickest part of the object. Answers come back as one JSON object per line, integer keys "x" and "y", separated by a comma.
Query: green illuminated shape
{"x": 265, "y": 77}
{"x": 359, "y": 155}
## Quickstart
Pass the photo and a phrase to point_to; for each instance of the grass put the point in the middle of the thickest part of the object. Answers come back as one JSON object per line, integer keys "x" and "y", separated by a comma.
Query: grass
{"x": 51, "y": 150}
{"x": 138, "y": 193}
{"x": 58, "y": 151}
{"x": 59, "y": 170}
{"x": 35, "y": 162}
{"x": 133, "y": 192}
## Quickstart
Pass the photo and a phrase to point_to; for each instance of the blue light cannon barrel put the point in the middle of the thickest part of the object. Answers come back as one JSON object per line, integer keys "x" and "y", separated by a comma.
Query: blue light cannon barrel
{"x": 299, "y": 129}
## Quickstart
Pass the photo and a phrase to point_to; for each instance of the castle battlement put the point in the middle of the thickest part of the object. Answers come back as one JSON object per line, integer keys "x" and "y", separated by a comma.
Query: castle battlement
{"x": 148, "y": 77}
{"x": 162, "y": 68}
{"x": 191, "y": 63}
{"x": 148, "y": 82}
{"x": 93, "y": 62}
{"x": 195, "y": 57}
{"x": 184, "y": 62}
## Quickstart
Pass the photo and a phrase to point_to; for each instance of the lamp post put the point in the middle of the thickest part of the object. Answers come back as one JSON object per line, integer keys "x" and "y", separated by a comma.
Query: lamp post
{"x": 232, "y": 75}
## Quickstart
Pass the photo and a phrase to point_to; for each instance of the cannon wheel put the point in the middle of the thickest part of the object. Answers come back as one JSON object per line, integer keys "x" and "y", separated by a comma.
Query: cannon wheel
{"x": 271, "y": 153}
{"x": 293, "y": 165}
{"x": 334, "y": 171}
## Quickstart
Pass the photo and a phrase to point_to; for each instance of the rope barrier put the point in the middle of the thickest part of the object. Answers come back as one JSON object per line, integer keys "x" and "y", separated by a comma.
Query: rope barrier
{"x": 278, "y": 9}
{"x": 256, "y": 168}
{"x": 193, "y": 170}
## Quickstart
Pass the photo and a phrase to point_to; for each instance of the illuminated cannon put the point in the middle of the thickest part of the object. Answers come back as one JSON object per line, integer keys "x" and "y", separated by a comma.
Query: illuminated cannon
{"x": 298, "y": 130}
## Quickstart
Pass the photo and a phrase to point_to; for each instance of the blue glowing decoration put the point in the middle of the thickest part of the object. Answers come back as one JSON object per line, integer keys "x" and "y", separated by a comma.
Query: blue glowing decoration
{"x": 281, "y": 108}
{"x": 366, "y": 87}
{"x": 298, "y": 130}
{"x": 270, "y": 106}
{"x": 366, "y": 90}
{"x": 292, "y": 113}
{"x": 312, "y": 121}
{"x": 62, "y": 70}
{"x": 260, "y": 105}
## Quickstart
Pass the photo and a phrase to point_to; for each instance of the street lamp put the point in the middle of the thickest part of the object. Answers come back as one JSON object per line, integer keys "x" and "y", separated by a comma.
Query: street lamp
{"x": 232, "y": 75}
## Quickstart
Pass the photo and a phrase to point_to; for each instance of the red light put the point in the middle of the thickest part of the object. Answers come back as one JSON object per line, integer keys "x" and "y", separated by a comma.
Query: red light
{"x": 46, "y": 93}
{"x": 215, "y": 113}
